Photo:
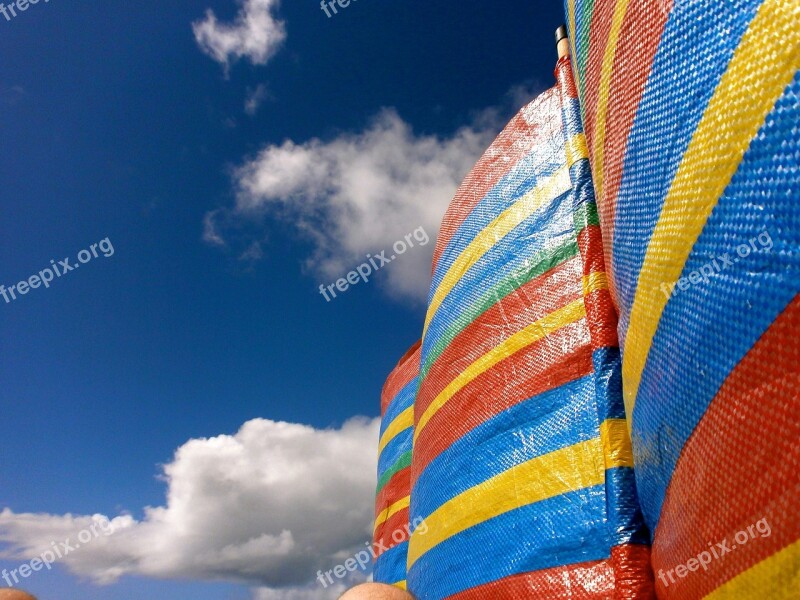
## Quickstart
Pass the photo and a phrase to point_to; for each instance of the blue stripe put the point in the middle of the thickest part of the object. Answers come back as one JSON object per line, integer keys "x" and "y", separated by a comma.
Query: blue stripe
{"x": 542, "y": 162}
{"x": 583, "y": 186}
{"x": 696, "y": 47}
{"x": 608, "y": 383}
{"x": 549, "y": 227}
{"x": 403, "y": 399}
{"x": 563, "y": 530}
{"x": 532, "y": 428}
{"x": 390, "y": 567}
{"x": 707, "y": 329}
{"x": 570, "y": 116}
{"x": 625, "y": 522}
{"x": 395, "y": 449}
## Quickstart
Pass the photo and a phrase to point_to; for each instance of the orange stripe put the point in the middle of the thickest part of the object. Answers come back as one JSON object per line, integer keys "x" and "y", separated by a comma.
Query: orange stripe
{"x": 406, "y": 369}
{"x": 639, "y": 40}
{"x": 600, "y": 28}
{"x": 740, "y": 465}
{"x": 397, "y": 487}
{"x": 512, "y": 145}
{"x": 529, "y": 303}
{"x": 396, "y": 525}
{"x": 561, "y": 357}
{"x": 624, "y": 576}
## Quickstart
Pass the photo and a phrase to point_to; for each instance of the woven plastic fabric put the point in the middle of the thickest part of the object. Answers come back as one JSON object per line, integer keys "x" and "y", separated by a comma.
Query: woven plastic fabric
{"x": 392, "y": 525}
{"x": 522, "y": 469}
{"x": 691, "y": 111}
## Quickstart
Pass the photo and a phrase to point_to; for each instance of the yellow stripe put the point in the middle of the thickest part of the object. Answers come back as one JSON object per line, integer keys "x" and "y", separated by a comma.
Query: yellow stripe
{"x": 566, "y": 469}
{"x": 572, "y": 36}
{"x": 603, "y": 93}
{"x": 594, "y": 281}
{"x": 400, "y": 584}
{"x": 732, "y": 119}
{"x": 402, "y": 422}
{"x": 616, "y": 443}
{"x": 388, "y": 512}
{"x": 777, "y": 577}
{"x": 544, "y": 192}
{"x": 576, "y": 149}
{"x": 532, "y": 333}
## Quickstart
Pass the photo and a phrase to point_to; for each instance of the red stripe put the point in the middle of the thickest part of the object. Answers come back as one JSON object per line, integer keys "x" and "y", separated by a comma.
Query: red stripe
{"x": 634, "y": 577}
{"x": 599, "y": 29}
{"x": 407, "y": 368}
{"x": 590, "y": 244}
{"x": 396, "y": 525}
{"x": 600, "y": 312}
{"x": 396, "y": 488}
{"x": 638, "y": 42}
{"x": 741, "y": 464}
{"x": 531, "y": 302}
{"x": 593, "y": 580}
{"x": 561, "y": 357}
{"x": 602, "y": 318}
{"x": 511, "y": 146}
{"x": 566, "y": 82}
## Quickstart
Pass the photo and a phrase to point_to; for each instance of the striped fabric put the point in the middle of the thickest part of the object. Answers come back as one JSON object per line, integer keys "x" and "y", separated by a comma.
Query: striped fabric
{"x": 692, "y": 110}
{"x": 522, "y": 467}
{"x": 391, "y": 533}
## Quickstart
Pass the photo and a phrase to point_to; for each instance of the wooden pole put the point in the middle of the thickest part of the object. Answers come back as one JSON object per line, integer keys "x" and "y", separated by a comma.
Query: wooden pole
{"x": 562, "y": 42}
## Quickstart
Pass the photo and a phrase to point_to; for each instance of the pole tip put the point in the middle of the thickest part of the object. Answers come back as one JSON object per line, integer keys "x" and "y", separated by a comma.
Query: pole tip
{"x": 561, "y": 33}
{"x": 562, "y": 43}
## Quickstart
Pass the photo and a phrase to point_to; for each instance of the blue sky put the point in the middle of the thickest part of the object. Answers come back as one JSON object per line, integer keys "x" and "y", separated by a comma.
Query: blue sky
{"x": 234, "y": 166}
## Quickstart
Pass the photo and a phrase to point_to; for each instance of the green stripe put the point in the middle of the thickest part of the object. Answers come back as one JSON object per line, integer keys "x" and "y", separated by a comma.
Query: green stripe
{"x": 583, "y": 35}
{"x": 401, "y": 463}
{"x": 539, "y": 264}
{"x": 585, "y": 215}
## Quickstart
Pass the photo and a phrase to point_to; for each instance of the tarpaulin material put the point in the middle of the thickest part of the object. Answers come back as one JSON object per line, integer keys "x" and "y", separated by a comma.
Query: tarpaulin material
{"x": 522, "y": 467}
{"x": 692, "y": 111}
{"x": 392, "y": 525}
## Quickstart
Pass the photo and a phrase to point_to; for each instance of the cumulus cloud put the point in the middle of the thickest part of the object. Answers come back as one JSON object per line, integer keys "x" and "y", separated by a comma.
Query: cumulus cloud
{"x": 255, "y": 34}
{"x": 268, "y": 506}
{"x": 358, "y": 193}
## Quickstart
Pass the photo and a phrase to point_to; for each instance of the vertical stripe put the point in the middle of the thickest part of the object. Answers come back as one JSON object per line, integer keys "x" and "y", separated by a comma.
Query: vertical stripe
{"x": 620, "y": 9}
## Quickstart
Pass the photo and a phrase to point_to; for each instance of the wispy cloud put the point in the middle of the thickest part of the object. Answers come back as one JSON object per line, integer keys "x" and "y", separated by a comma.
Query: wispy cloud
{"x": 256, "y": 34}
{"x": 253, "y": 253}
{"x": 210, "y": 233}
{"x": 11, "y": 95}
{"x": 268, "y": 506}
{"x": 255, "y": 98}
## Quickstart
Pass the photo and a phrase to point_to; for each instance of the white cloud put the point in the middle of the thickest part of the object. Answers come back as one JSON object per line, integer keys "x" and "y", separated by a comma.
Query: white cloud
{"x": 210, "y": 233}
{"x": 317, "y": 592}
{"x": 253, "y": 253}
{"x": 255, "y": 34}
{"x": 268, "y": 506}
{"x": 255, "y": 98}
{"x": 359, "y": 193}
